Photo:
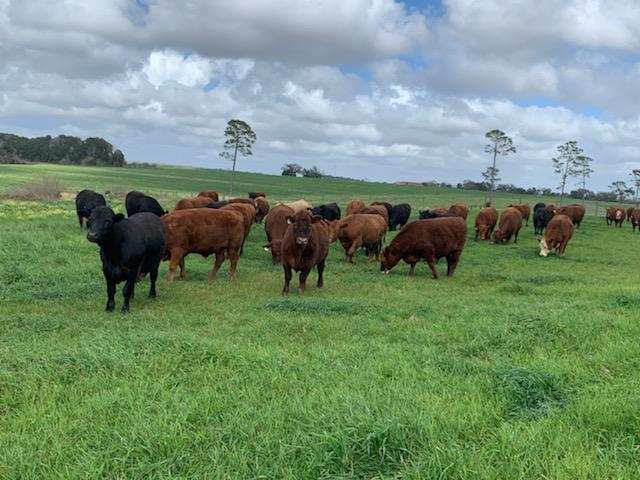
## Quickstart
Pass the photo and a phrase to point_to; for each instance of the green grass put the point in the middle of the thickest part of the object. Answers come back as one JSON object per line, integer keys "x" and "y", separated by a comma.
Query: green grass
{"x": 517, "y": 367}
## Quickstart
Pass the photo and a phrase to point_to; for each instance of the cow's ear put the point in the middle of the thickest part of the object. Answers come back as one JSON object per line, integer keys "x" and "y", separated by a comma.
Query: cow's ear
{"x": 118, "y": 218}
{"x": 289, "y": 220}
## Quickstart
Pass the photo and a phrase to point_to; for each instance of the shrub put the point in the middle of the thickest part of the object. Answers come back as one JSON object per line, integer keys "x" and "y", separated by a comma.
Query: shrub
{"x": 45, "y": 188}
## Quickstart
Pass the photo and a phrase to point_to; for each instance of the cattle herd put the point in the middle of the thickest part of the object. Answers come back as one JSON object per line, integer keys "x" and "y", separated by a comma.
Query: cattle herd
{"x": 299, "y": 235}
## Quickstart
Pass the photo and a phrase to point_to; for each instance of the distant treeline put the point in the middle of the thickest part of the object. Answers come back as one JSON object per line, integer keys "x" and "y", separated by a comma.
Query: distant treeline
{"x": 63, "y": 149}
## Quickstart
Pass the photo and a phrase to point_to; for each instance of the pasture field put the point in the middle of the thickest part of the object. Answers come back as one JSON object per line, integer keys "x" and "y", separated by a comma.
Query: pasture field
{"x": 517, "y": 367}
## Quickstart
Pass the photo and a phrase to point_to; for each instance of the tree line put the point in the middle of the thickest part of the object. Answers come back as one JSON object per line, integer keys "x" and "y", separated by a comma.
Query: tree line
{"x": 64, "y": 149}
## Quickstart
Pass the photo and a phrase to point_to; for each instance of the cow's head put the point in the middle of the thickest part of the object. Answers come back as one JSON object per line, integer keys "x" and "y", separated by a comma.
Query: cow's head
{"x": 619, "y": 214}
{"x": 544, "y": 248}
{"x": 482, "y": 231}
{"x": 100, "y": 223}
{"x": 388, "y": 260}
{"x": 498, "y": 236}
{"x": 301, "y": 223}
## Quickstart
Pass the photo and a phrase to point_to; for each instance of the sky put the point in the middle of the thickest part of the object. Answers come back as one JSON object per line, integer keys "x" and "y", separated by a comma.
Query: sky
{"x": 376, "y": 89}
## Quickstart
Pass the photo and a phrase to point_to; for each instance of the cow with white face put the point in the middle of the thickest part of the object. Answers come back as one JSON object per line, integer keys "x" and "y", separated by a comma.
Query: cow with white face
{"x": 558, "y": 233}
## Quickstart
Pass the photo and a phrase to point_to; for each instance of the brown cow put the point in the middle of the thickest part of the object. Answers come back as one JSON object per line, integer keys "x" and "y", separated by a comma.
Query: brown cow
{"x": 509, "y": 225}
{"x": 377, "y": 209}
{"x": 430, "y": 240}
{"x": 574, "y": 211}
{"x": 437, "y": 212}
{"x": 629, "y": 212}
{"x": 247, "y": 211}
{"x": 615, "y": 216}
{"x": 485, "y": 222}
{"x": 262, "y": 208}
{"x": 557, "y": 235}
{"x": 255, "y": 195}
{"x": 248, "y": 201}
{"x": 525, "y": 210}
{"x": 362, "y": 230}
{"x": 194, "y": 202}
{"x": 213, "y": 195}
{"x": 354, "y": 206}
{"x": 635, "y": 219}
{"x": 305, "y": 245}
{"x": 459, "y": 210}
{"x": 387, "y": 206}
{"x": 275, "y": 226}
{"x": 204, "y": 231}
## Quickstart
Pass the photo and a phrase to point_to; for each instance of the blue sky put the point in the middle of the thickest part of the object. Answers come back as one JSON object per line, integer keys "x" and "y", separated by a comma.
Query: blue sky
{"x": 378, "y": 89}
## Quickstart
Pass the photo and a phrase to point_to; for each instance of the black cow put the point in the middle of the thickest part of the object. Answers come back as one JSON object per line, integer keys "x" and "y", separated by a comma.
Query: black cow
{"x": 218, "y": 204}
{"x": 435, "y": 213}
{"x": 129, "y": 249}
{"x": 329, "y": 211}
{"x": 137, "y": 202}
{"x": 399, "y": 215}
{"x": 86, "y": 201}
{"x": 541, "y": 217}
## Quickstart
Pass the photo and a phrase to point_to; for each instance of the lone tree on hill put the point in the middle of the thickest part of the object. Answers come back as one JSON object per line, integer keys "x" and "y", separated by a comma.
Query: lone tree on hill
{"x": 499, "y": 144}
{"x": 620, "y": 190}
{"x": 635, "y": 174}
{"x": 568, "y": 163}
{"x": 239, "y": 137}
{"x": 583, "y": 168}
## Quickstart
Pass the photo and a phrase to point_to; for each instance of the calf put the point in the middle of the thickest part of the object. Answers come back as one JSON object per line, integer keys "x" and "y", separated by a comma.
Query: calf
{"x": 305, "y": 245}
{"x": 399, "y": 215}
{"x": 354, "y": 206}
{"x": 195, "y": 202}
{"x": 86, "y": 201}
{"x": 298, "y": 205}
{"x": 329, "y": 211}
{"x": 275, "y": 226}
{"x": 137, "y": 202}
{"x": 635, "y": 219}
{"x": 459, "y": 210}
{"x": 129, "y": 249}
{"x": 485, "y": 222}
{"x": 361, "y": 230}
{"x": 557, "y": 235}
{"x": 435, "y": 213}
{"x": 204, "y": 231}
{"x": 377, "y": 209}
{"x": 262, "y": 208}
{"x": 574, "y": 211}
{"x": 509, "y": 226}
{"x": 255, "y": 195}
{"x": 213, "y": 195}
{"x": 429, "y": 240}
{"x": 525, "y": 210}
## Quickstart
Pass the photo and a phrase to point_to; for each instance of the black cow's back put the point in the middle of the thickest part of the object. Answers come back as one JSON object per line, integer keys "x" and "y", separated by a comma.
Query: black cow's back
{"x": 137, "y": 202}
{"x": 329, "y": 211}
{"x": 399, "y": 215}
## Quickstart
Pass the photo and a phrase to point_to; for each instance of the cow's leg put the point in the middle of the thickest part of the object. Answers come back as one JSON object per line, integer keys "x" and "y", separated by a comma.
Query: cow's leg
{"x": 111, "y": 293}
{"x": 352, "y": 250}
{"x": 216, "y": 266}
{"x": 452, "y": 262}
{"x": 515, "y": 240}
{"x": 233, "y": 260}
{"x": 287, "y": 279}
{"x": 303, "y": 280}
{"x": 176, "y": 257}
{"x": 431, "y": 261}
{"x": 127, "y": 293}
{"x": 412, "y": 269}
{"x": 80, "y": 221}
{"x": 183, "y": 270}
{"x": 320, "y": 272}
{"x": 153, "y": 276}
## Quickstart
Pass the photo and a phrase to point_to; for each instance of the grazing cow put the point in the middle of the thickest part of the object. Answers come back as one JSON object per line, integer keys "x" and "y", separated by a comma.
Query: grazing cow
{"x": 203, "y": 231}
{"x": 386, "y": 205}
{"x": 615, "y": 216}
{"x": 459, "y": 210}
{"x": 137, "y": 202}
{"x": 195, "y": 202}
{"x": 629, "y": 212}
{"x": 255, "y": 195}
{"x": 509, "y": 226}
{"x": 429, "y": 240}
{"x": 399, "y": 215}
{"x": 525, "y": 210}
{"x": 86, "y": 201}
{"x": 298, "y": 205}
{"x": 485, "y": 222}
{"x": 635, "y": 219}
{"x": 574, "y": 211}
{"x": 329, "y": 211}
{"x": 354, "y": 206}
{"x": 377, "y": 209}
{"x": 129, "y": 249}
{"x": 247, "y": 212}
{"x": 262, "y": 208}
{"x": 213, "y": 195}
{"x": 435, "y": 213}
{"x": 362, "y": 230}
{"x": 557, "y": 235}
{"x": 305, "y": 245}
{"x": 275, "y": 226}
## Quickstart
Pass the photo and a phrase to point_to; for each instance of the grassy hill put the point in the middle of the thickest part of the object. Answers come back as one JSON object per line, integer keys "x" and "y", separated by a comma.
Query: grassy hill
{"x": 517, "y": 367}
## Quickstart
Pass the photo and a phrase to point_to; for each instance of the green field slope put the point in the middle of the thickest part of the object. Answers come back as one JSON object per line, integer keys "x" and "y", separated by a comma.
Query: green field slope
{"x": 518, "y": 367}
